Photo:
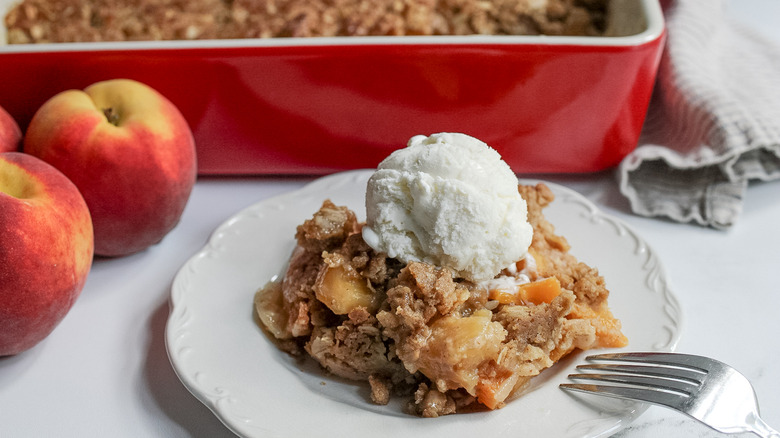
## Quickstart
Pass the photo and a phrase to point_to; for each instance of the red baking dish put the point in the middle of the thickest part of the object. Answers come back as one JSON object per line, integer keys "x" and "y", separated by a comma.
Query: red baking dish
{"x": 319, "y": 105}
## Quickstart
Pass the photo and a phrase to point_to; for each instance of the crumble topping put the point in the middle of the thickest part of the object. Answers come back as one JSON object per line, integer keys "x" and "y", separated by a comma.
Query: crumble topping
{"x": 42, "y": 21}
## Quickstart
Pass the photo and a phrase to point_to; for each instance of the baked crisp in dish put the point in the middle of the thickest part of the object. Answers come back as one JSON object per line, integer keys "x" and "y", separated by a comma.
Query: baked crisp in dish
{"x": 42, "y": 21}
{"x": 415, "y": 329}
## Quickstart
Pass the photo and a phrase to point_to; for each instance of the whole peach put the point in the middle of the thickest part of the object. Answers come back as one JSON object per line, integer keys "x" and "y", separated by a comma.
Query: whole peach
{"x": 10, "y": 134}
{"x": 46, "y": 248}
{"x": 130, "y": 152}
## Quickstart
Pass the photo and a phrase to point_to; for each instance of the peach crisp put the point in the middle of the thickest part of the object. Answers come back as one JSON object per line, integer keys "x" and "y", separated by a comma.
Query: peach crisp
{"x": 415, "y": 329}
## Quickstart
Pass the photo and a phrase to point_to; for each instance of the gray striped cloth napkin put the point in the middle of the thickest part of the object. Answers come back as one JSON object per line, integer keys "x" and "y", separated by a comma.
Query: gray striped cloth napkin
{"x": 713, "y": 123}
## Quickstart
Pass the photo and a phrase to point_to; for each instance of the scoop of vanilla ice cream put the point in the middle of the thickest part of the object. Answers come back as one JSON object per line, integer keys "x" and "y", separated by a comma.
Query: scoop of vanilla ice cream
{"x": 449, "y": 200}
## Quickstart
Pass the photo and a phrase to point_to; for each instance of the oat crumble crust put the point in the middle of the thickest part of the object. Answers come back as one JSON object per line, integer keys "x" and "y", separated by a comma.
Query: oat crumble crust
{"x": 400, "y": 338}
{"x": 42, "y": 21}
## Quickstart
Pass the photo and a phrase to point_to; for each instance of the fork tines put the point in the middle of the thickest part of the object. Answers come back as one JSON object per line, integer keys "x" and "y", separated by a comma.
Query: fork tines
{"x": 702, "y": 388}
{"x": 663, "y": 378}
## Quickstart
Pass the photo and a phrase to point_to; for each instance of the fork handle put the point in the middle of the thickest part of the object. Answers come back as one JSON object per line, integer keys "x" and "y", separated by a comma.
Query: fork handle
{"x": 760, "y": 428}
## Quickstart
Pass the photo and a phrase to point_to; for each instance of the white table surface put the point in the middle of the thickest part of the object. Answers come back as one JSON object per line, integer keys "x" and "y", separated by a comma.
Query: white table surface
{"x": 104, "y": 371}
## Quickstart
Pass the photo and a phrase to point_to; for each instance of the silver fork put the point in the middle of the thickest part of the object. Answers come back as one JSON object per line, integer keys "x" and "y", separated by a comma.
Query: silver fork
{"x": 703, "y": 388}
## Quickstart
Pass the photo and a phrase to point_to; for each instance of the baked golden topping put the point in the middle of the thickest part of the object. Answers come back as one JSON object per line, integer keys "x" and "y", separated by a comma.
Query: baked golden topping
{"x": 42, "y": 21}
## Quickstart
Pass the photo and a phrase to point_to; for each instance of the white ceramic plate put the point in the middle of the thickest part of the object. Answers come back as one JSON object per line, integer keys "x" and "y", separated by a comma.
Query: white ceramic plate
{"x": 223, "y": 358}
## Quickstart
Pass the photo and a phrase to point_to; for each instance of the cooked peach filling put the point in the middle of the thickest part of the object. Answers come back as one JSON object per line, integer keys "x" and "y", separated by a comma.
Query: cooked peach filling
{"x": 457, "y": 347}
{"x": 343, "y": 291}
